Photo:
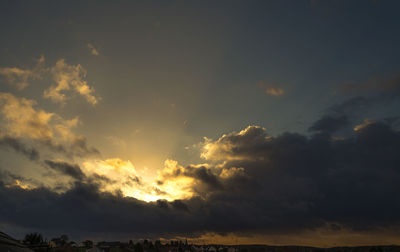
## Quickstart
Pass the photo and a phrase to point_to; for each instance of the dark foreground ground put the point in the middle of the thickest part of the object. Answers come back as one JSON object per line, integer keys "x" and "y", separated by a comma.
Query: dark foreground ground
{"x": 8, "y": 244}
{"x": 262, "y": 248}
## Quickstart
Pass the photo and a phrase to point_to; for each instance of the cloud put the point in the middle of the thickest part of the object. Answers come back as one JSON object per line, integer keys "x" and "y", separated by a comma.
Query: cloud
{"x": 21, "y": 77}
{"x": 235, "y": 145}
{"x": 23, "y": 119}
{"x": 13, "y": 180}
{"x": 16, "y": 76}
{"x": 19, "y": 147}
{"x": 271, "y": 89}
{"x": 367, "y": 122}
{"x": 329, "y": 123}
{"x": 82, "y": 208}
{"x": 93, "y": 50}
{"x": 252, "y": 183}
{"x": 351, "y": 106}
{"x": 72, "y": 170}
{"x": 340, "y": 117}
{"x": 69, "y": 77}
{"x": 178, "y": 182}
{"x": 284, "y": 184}
{"x": 115, "y": 175}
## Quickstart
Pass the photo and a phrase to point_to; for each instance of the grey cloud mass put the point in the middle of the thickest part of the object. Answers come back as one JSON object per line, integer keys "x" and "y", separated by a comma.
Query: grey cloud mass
{"x": 19, "y": 147}
{"x": 78, "y": 147}
{"x": 72, "y": 170}
{"x": 329, "y": 123}
{"x": 286, "y": 183}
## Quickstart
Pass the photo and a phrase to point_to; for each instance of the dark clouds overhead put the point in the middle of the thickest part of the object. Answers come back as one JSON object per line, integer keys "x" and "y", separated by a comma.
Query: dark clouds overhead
{"x": 19, "y": 147}
{"x": 329, "y": 124}
{"x": 275, "y": 184}
{"x": 65, "y": 168}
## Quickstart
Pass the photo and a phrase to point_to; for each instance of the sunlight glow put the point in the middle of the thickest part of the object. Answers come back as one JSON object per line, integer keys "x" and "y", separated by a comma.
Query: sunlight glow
{"x": 121, "y": 176}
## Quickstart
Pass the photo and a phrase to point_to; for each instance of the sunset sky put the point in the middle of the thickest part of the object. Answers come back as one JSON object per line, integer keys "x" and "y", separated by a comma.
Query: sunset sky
{"x": 235, "y": 122}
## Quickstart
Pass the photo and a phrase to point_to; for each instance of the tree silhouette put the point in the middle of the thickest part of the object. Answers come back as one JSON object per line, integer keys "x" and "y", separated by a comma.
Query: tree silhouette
{"x": 138, "y": 247}
{"x": 157, "y": 245}
{"x": 64, "y": 237}
{"x": 33, "y": 239}
{"x": 88, "y": 244}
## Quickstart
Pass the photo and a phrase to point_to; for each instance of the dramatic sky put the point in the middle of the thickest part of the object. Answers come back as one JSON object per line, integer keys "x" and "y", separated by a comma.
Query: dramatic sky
{"x": 271, "y": 122}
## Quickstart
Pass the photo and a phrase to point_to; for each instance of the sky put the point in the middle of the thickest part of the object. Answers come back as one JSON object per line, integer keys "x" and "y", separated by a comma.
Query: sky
{"x": 235, "y": 122}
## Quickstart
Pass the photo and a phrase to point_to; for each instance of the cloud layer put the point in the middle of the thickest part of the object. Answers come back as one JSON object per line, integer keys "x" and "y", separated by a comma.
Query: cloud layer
{"x": 253, "y": 183}
{"x": 250, "y": 182}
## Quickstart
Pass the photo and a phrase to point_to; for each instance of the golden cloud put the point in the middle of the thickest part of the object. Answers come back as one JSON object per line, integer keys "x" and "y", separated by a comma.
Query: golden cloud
{"x": 69, "y": 77}
{"x": 23, "y": 119}
{"x": 116, "y": 174}
{"x": 271, "y": 89}
{"x": 365, "y": 123}
{"x": 93, "y": 50}
{"x": 274, "y": 91}
{"x": 20, "y": 77}
{"x": 180, "y": 182}
{"x": 235, "y": 145}
{"x": 173, "y": 182}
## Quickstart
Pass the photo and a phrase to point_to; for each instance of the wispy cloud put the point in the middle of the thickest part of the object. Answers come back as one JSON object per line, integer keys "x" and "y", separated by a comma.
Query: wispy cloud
{"x": 72, "y": 170}
{"x": 19, "y": 147}
{"x": 19, "y": 77}
{"x": 69, "y": 77}
{"x": 93, "y": 50}
{"x": 271, "y": 89}
{"x": 389, "y": 85}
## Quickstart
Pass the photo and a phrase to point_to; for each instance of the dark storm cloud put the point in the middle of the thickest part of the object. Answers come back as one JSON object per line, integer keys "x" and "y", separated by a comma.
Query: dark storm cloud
{"x": 276, "y": 184}
{"x": 347, "y": 112}
{"x": 344, "y": 114}
{"x": 204, "y": 175}
{"x": 393, "y": 120}
{"x": 179, "y": 205}
{"x": 85, "y": 209}
{"x": 19, "y": 147}
{"x": 71, "y": 170}
{"x": 351, "y": 106}
{"x": 336, "y": 181}
{"x": 329, "y": 124}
